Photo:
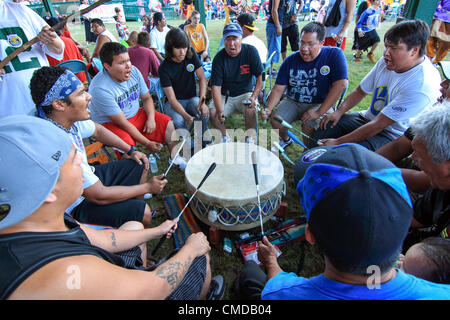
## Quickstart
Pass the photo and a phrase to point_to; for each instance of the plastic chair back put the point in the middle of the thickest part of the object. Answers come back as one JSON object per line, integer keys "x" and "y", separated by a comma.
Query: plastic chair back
{"x": 76, "y": 66}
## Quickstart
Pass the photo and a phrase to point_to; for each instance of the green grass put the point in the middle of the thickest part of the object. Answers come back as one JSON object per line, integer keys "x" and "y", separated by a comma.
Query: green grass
{"x": 229, "y": 265}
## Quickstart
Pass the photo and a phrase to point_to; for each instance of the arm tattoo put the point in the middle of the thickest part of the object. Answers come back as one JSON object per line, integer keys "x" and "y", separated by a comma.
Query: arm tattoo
{"x": 174, "y": 272}
{"x": 113, "y": 238}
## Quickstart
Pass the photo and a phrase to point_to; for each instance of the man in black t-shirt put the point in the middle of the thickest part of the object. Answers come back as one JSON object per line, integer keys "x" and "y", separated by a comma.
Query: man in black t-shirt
{"x": 177, "y": 75}
{"x": 432, "y": 207}
{"x": 233, "y": 69}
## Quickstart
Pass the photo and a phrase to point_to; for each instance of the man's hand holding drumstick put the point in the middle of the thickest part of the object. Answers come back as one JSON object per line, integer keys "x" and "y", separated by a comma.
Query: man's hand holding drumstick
{"x": 49, "y": 37}
{"x": 46, "y": 35}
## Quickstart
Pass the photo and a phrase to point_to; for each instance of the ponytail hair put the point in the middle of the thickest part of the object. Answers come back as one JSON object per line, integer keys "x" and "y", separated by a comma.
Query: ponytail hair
{"x": 157, "y": 17}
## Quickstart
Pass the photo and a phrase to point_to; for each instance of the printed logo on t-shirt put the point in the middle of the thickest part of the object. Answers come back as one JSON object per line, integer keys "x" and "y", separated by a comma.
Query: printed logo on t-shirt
{"x": 399, "y": 108}
{"x": 303, "y": 85}
{"x": 324, "y": 70}
{"x": 126, "y": 99}
{"x": 196, "y": 36}
{"x": 14, "y": 40}
{"x": 245, "y": 69}
{"x": 190, "y": 67}
{"x": 380, "y": 100}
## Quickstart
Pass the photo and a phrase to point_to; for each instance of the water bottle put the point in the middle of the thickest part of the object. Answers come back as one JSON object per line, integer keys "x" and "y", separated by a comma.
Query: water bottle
{"x": 153, "y": 164}
{"x": 338, "y": 43}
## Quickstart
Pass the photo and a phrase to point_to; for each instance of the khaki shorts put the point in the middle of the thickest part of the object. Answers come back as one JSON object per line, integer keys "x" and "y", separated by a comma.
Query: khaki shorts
{"x": 291, "y": 110}
{"x": 232, "y": 104}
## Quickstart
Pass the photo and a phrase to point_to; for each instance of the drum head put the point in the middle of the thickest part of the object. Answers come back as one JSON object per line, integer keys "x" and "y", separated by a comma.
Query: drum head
{"x": 233, "y": 179}
{"x": 232, "y": 183}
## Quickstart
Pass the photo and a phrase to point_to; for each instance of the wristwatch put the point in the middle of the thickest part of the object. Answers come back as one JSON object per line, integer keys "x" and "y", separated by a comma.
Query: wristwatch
{"x": 132, "y": 149}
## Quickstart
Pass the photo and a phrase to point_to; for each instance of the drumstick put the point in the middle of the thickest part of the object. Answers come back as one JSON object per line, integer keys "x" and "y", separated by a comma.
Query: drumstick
{"x": 210, "y": 170}
{"x": 247, "y": 103}
{"x": 287, "y": 125}
{"x": 297, "y": 140}
{"x": 283, "y": 153}
{"x": 197, "y": 116}
{"x": 57, "y": 26}
{"x": 171, "y": 164}
{"x": 255, "y": 171}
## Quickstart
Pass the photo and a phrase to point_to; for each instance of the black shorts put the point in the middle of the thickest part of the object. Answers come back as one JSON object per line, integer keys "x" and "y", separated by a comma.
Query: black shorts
{"x": 189, "y": 288}
{"x": 116, "y": 173}
{"x": 369, "y": 39}
{"x": 292, "y": 34}
{"x": 192, "y": 283}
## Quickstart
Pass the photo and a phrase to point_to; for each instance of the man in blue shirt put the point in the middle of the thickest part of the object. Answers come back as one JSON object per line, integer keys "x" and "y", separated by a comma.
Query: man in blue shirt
{"x": 313, "y": 78}
{"x": 358, "y": 213}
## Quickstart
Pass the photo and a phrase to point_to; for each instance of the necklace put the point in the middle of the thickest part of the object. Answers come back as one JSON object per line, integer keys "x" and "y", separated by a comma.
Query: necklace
{"x": 73, "y": 131}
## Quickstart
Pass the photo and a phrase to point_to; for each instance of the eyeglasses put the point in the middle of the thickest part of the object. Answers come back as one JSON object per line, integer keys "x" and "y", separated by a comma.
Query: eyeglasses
{"x": 308, "y": 45}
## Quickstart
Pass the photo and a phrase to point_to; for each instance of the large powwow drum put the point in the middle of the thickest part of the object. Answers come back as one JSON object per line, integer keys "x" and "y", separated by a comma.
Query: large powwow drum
{"x": 228, "y": 198}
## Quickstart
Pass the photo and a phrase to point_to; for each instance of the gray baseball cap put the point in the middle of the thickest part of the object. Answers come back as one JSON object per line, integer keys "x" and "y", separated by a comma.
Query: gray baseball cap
{"x": 32, "y": 152}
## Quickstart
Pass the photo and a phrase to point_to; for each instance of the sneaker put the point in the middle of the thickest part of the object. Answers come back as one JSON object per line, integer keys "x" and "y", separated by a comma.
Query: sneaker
{"x": 180, "y": 162}
{"x": 285, "y": 144}
{"x": 371, "y": 57}
{"x": 226, "y": 139}
{"x": 216, "y": 288}
{"x": 147, "y": 196}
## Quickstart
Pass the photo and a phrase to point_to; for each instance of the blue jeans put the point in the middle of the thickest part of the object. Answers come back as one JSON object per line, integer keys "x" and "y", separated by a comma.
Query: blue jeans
{"x": 273, "y": 42}
{"x": 190, "y": 105}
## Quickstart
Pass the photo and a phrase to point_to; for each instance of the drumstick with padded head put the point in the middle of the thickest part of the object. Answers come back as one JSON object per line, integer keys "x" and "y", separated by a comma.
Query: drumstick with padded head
{"x": 288, "y": 125}
{"x": 296, "y": 140}
{"x": 255, "y": 171}
{"x": 210, "y": 170}
{"x": 283, "y": 153}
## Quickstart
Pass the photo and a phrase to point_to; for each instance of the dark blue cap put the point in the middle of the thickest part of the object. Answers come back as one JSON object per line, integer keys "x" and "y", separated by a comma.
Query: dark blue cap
{"x": 232, "y": 29}
{"x": 357, "y": 205}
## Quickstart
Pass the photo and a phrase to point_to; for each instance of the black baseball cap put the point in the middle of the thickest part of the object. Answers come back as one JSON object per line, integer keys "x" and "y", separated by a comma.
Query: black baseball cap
{"x": 247, "y": 20}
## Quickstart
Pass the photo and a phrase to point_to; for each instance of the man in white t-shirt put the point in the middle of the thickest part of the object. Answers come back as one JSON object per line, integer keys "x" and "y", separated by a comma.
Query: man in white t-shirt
{"x": 403, "y": 83}
{"x": 19, "y": 24}
{"x": 113, "y": 192}
{"x": 247, "y": 23}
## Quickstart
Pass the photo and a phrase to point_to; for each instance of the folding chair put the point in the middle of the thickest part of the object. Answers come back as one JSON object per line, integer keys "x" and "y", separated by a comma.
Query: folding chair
{"x": 76, "y": 66}
{"x": 155, "y": 88}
